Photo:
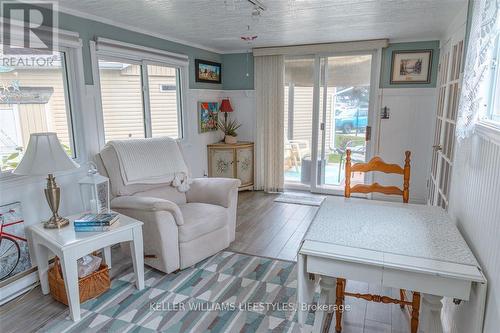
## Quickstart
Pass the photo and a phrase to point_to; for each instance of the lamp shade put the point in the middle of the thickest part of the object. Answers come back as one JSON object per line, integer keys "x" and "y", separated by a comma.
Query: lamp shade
{"x": 44, "y": 155}
{"x": 225, "y": 106}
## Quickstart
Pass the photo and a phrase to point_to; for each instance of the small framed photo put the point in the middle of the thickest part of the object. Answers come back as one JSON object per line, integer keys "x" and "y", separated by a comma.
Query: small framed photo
{"x": 208, "y": 71}
{"x": 411, "y": 66}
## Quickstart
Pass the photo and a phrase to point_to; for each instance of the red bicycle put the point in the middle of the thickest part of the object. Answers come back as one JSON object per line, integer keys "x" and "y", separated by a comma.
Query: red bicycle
{"x": 10, "y": 251}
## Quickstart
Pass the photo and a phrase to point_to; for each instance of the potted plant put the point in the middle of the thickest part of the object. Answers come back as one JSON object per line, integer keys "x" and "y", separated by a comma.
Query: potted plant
{"x": 229, "y": 127}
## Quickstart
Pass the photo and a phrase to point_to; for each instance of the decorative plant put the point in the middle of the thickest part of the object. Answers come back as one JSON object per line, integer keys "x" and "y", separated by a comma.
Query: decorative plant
{"x": 229, "y": 127}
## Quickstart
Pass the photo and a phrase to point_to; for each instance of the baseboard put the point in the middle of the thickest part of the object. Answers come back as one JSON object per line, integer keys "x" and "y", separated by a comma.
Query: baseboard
{"x": 18, "y": 287}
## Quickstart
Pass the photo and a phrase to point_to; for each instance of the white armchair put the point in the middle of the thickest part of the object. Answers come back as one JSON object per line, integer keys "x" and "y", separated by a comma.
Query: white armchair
{"x": 180, "y": 229}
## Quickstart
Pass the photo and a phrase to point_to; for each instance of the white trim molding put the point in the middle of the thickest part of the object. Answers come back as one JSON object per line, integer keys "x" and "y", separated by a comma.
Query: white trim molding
{"x": 339, "y": 47}
{"x": 489, "y": 131}
{"x": 105, "y": 46}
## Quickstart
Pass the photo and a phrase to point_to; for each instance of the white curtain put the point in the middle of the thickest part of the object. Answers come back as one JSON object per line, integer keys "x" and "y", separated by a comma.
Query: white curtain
{"x": 269, "y": 93}
{"x": 484, "y": 29}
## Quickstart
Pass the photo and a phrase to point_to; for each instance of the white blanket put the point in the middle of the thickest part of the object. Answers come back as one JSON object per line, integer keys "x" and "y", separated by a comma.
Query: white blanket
{"x": 152, "y": 161}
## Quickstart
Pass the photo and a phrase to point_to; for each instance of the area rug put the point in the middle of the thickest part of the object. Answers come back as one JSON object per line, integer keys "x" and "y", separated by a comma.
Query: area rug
{"x": 228, "y": 292}
{"x": 300, "y": 199}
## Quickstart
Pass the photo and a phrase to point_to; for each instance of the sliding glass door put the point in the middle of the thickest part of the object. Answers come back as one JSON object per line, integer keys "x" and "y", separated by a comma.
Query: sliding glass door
{"x": 328, "y": 104}
{"x": 299, "y": 89}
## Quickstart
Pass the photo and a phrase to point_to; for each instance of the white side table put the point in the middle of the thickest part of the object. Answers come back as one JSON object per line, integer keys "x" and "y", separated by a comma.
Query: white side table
{"x": 69, "y": 246}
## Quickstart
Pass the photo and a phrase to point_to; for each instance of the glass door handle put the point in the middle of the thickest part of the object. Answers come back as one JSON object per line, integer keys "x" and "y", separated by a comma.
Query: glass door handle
{"x": 368, "y": 133}
{"x": 437, "y": 147}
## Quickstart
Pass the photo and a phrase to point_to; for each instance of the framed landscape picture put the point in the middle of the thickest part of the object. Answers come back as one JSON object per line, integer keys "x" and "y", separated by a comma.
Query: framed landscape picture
{"x": 208, "y": 113}
{"x": 411, "y": 66}
{"x": 208, "y": 71}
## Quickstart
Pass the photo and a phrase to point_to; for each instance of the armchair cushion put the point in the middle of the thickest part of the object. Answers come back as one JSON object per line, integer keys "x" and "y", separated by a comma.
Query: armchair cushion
{"x": 148, "y": 204}
{"x": 165, "y": 192}
{"x": 200, "y": 219}
{"x": 215, "y": 191}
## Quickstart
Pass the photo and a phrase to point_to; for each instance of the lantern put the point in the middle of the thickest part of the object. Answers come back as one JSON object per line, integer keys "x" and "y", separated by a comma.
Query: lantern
{"x": 94, "y": 190}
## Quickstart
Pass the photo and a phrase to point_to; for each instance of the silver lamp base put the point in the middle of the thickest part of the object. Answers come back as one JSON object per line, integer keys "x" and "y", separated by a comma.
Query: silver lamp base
{"x": 53, "y": 196}
{"x": 55, "y": 222}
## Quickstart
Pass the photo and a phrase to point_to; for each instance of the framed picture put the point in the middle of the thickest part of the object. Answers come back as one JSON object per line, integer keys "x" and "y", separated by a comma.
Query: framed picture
{"x": 14, "y": 252}
{"x": 208, "y": 71}
{"x": 208, "y": 113}
{"x": 411, "y": 66}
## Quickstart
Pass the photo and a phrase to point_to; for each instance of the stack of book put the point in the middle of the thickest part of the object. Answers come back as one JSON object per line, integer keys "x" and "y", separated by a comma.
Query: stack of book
{"x": 95, "y": 222}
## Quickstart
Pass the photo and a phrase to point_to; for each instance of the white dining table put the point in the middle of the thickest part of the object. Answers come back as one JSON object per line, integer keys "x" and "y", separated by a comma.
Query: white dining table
{"x": 405, "y": 246}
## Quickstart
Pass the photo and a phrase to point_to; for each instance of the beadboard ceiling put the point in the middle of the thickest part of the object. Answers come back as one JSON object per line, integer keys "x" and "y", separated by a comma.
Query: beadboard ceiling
{"x": 217, "y": 24}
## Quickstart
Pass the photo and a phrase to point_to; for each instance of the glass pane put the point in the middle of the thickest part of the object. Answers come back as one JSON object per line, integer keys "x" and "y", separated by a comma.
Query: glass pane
{"x": 121, "y": 92}
{"x": 164, "y": 101}
{"x": 299, "y": 76}
{"x": 33, "y": 98}
{"x": 347, "y": 105}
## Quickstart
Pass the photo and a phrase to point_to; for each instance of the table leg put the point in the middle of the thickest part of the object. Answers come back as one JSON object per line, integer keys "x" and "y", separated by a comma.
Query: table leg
{"x": 305, "y": 289}
{"x": 137, "y": 252}
{"x": 106, "y": 252}
{"x": 431, "y": 314}
{"x": 70, "y": 276}
{"x": 322, "y": 319}
{"x": 42, "y": 262}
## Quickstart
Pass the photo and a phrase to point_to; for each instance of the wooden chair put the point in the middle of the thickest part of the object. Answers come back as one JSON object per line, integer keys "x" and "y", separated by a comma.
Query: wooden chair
{"x": 377, "y": 164}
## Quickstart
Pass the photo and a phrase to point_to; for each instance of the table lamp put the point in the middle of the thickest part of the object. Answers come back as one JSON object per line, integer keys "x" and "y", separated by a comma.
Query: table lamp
{"x": 45, "y": 155}
{"x": 225, "y": 107}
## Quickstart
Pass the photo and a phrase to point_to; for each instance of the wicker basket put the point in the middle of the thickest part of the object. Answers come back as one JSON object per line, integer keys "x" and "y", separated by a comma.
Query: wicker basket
{"x": 89, "y": 287}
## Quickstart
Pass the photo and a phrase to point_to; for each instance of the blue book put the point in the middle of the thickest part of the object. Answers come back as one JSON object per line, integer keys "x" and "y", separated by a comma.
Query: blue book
{"x": 92, "y": 228}
{"x": 104, "y": 219}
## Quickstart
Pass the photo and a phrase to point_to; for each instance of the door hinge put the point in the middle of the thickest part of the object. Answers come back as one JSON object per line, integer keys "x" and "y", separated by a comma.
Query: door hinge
{"x": 368, "y": 133}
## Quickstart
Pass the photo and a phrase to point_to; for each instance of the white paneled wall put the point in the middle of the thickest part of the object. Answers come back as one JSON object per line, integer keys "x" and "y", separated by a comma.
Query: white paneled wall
{"x": 410, "y": 127}
{"x": 475, "y": 206}
{"x": 195, "y": 144}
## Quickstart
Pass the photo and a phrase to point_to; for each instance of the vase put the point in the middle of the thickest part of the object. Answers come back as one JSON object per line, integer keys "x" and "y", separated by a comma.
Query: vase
{"x": 230, "y": 139}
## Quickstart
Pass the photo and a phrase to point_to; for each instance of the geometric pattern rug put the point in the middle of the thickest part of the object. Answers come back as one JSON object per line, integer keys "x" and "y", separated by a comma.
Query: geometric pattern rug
{"x": 228, "y": 292}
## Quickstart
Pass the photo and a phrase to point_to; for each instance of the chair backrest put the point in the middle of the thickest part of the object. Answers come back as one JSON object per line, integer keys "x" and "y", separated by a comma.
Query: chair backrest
{"x": 377, "y": 164}
{"x": 109, "y": 166}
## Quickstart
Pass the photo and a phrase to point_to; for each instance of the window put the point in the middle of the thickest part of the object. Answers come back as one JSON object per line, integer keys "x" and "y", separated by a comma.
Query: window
{"x": 33, "y": 98}
{"x": 139, "y": 99}
{"x": 493, "y": 111}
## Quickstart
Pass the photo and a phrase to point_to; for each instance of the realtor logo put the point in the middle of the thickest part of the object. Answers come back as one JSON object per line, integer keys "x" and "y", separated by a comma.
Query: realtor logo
{"x": 28, "y": 26}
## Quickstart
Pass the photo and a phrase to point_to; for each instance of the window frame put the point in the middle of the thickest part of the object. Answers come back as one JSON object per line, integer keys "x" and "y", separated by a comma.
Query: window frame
{"x": 143, "y": 61}
{"x": 487, "y": 127}
{"x": 72, "y": 76}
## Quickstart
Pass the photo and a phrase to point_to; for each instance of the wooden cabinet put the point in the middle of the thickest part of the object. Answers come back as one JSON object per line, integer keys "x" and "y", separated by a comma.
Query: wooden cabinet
{"x": 232, "y": 161}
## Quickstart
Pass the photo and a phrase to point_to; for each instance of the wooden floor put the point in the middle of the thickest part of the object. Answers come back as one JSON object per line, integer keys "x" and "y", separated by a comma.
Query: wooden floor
{"x": 264, "y": 228}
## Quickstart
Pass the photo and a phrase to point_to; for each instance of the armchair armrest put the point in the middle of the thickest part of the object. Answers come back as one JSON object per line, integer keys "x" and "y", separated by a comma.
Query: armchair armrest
{"x": 215, "y": 191}
{"x": 148, "y": 204}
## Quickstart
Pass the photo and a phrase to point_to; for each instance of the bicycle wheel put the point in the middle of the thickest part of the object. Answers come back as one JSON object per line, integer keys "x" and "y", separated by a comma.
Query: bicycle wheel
{"x": 10, "y": 253}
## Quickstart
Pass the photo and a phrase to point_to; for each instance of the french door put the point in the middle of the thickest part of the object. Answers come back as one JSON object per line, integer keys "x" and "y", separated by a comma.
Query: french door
{"x": 449, "y": 85}
{"x": 328, "y": 109}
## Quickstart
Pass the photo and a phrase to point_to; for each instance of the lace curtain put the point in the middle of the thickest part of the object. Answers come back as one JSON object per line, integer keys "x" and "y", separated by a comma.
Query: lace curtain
{"x": 484, "y": 29}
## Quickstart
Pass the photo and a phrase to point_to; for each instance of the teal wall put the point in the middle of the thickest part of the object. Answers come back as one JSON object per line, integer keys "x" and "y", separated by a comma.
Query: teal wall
{"x": 90, "y": 30}
{"x": 387, "y": 57}
{"x": 236, "y": 68}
